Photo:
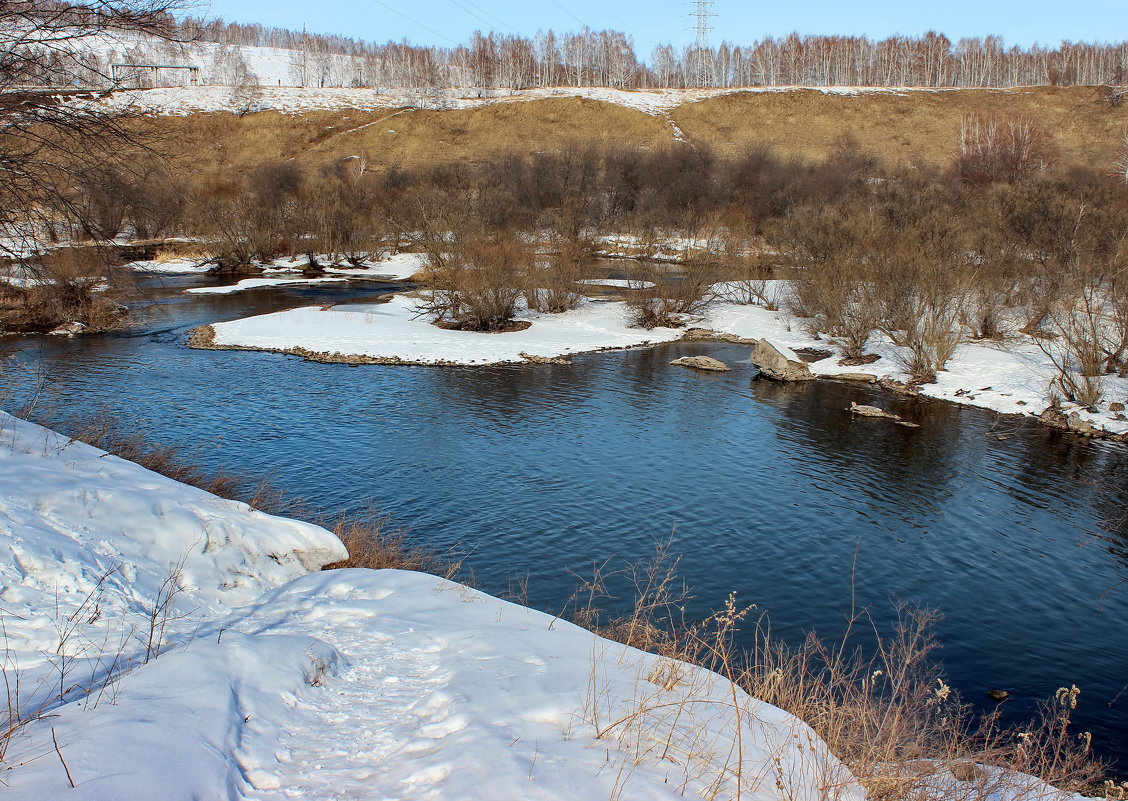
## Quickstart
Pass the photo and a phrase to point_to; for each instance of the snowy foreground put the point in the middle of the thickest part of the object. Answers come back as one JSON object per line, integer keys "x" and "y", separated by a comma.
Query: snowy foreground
{"x": 1011, "y": 377}
{"x": 266, "y": 680}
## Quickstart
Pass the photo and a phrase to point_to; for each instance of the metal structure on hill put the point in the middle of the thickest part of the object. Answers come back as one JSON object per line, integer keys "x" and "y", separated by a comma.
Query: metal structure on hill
{"x": 704, "y": 66}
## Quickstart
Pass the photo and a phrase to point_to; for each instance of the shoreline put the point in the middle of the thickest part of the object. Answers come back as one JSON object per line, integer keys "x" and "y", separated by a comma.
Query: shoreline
{"x": 1064, "y": 419}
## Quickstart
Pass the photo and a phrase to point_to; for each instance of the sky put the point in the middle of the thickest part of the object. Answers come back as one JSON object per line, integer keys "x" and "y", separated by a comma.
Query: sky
{"x": 651, "y": 22}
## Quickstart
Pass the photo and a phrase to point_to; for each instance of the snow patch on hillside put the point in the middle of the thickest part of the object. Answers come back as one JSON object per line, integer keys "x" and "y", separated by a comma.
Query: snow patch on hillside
{"x": 298, "y": 100}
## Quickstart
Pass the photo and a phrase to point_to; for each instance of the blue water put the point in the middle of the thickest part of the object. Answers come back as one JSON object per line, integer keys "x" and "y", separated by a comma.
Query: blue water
{"x": 770, "y": 491}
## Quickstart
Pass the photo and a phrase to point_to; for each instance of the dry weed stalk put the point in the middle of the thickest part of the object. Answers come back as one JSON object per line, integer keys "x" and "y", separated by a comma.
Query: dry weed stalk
{"x": 885, "y": 711}
{"x": 372, "y": 543}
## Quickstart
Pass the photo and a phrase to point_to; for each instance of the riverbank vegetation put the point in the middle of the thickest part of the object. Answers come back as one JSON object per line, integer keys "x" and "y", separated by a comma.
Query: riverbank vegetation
{"x": 1009, "y": 239}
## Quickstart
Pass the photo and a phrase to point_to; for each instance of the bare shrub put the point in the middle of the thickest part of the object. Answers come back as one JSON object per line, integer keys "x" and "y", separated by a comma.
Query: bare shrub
{"x": 73, "y": 285}
{"x": 1008, "y": 150}
{"x": 1081, "y": 348}
{"x": 102, "y": 200}
{"x": 339, "y": 210}
{"x": 254, "y": 220}
{"x": 477, "y": 285}
{"x": 676, "y": 292}
{"x": 552, "y": 285}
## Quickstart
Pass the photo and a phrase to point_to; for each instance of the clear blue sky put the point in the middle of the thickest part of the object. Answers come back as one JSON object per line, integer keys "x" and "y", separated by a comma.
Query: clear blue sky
{"x": 442, "y": 22}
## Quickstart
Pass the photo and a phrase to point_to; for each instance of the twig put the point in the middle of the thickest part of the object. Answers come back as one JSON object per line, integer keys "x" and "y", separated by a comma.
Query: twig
{"x": 60, "y": 753}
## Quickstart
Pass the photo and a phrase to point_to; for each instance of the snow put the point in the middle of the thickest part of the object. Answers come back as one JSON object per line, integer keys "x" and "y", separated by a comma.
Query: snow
{"x": 386, "y": 684}
{"x": 623, "y": 283}
{"x": 398, "y": 267}
{"x": 396, "y": 331}
{"x": 277, "y": 683}
{"x": 169, "y": 266}
{"x": 291, "y": 99}
{"x": 1011, "y": 377}
{"x": 89, "y": 542}
{"x": 258, "y": 283}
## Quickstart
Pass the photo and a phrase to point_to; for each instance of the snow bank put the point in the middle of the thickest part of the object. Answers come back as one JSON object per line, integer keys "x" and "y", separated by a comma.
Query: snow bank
{"x": 258, "y": 283}
{"x": 399, "y": 267}
{"x": 277, "y": 683}
{"x": 169, "y": 266}
{"x": 1010, "y": 377}
{"x": 621, "y": 283}
{"x": 394, "y": 331}
{"x": 418, "y": 688}
{"x": 91, "y": 542}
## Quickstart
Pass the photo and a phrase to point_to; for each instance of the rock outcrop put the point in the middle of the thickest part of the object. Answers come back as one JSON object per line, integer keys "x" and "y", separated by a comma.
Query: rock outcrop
{"x": 702, "y": 363}
{"x": 774, "y": 365}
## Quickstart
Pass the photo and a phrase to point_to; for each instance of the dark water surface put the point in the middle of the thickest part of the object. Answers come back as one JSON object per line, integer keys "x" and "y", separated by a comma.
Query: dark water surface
{"x": 773, "y": 490}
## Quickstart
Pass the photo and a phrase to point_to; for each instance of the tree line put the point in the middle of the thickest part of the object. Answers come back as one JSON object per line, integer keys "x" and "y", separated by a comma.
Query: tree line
{"x": 607, "y": 58}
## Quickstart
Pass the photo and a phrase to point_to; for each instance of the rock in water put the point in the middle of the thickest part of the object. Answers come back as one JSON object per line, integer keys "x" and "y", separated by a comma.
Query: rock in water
{"x": 702, "y": 363}
{"x": 871, "y": 411}
{"x": 534, "y": 359}
{"x": 69, "y": 329}
{"x": 774, "y": 365}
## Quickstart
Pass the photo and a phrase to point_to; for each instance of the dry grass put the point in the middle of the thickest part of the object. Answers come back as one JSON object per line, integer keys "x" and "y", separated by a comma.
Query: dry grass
{"x": 880, "y": 703}
{"x": 374, "y": 543}
{"x": 913, "y": 128}
{"x": 172, "y": 252}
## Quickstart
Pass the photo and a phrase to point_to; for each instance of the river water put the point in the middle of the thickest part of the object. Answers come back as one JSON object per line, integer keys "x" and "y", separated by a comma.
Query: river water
{"x": 770, "y": 491}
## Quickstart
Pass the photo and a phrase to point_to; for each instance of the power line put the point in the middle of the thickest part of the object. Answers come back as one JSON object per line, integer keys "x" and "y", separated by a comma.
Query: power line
{"x": 569, "y": 13}
{"x": 480, "y": 19}
{"x": 490, "y": 15}
{"x": 415, "y": 22}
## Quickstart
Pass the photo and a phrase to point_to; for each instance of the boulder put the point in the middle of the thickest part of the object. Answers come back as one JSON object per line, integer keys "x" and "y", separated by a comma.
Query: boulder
{"x": 776, "y": 366}
{"x": 871, "y": 411}
{"x": 702, "y": 363}
{"x": 68, "y": 329}
{"x": 534, "y": 359}
{"x": 865, "y": 378}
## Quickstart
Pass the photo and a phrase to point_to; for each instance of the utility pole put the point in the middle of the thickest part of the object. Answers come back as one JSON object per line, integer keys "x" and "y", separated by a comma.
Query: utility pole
{"x": 704, "y": 62}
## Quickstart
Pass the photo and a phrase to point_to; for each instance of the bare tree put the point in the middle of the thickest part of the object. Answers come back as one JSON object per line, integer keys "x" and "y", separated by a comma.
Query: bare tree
{"x": 48, "y": 142}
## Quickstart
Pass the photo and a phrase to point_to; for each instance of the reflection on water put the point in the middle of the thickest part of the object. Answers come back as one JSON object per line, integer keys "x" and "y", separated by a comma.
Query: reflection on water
{"x": 772, "y": 489}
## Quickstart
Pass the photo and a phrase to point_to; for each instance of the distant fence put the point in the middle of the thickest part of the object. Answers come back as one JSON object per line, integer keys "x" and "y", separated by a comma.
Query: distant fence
{"x": 122, "y": 72}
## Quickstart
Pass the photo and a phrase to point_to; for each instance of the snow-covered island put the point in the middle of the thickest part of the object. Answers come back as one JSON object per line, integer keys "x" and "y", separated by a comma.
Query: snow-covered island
{"x": 1012, "y": 376}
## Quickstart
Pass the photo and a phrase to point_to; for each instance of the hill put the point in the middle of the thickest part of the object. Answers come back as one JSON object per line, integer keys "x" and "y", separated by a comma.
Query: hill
{"x": 902, "y": 127}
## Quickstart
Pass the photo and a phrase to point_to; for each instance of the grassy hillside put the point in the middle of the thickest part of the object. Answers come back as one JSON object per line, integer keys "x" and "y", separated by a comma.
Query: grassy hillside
{"x": 902, "y": 129}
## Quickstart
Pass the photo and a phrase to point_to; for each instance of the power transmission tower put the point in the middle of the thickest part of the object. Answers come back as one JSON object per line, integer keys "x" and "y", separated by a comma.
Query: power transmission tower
{"x": 704, "y": 62}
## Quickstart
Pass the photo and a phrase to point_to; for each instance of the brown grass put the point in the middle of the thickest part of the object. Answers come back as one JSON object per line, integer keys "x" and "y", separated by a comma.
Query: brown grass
{"x": 913, "y": 128}
{"x": 880, "y": 702}
{"x": 374, "y": 543}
